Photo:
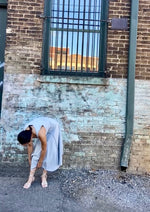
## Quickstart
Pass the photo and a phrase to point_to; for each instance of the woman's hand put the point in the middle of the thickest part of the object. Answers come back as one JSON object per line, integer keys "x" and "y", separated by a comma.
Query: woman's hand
{"x": 39, "y": 164}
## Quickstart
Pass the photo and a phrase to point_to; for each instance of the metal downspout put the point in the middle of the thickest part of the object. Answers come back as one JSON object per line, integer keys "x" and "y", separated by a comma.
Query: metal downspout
{"x": 130, "y": 85}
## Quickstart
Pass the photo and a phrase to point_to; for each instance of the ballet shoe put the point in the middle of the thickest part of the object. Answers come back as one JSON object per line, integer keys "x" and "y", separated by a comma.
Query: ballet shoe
{"x": 44, "y": 181}
{"x": 29, "y": 182}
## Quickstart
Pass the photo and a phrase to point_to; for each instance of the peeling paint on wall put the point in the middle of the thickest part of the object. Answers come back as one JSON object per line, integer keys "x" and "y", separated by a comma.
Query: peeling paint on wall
{"x": 79, "y": 108}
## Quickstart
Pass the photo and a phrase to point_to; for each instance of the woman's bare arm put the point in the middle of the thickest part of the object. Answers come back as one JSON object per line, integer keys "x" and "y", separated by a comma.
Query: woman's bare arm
{"x": 42, "y": 137}
{"x": 30, "y": 150}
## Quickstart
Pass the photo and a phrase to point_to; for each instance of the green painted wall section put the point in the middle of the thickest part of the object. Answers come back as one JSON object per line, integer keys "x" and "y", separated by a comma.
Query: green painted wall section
{"x": 90, "y": 112}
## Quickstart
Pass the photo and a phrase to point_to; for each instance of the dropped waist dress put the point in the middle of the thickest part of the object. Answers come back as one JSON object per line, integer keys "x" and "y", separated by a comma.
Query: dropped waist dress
{"x": 53, "y": 157}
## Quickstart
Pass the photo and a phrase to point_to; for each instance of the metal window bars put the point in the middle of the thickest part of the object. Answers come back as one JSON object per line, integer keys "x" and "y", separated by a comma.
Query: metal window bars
{"x": 74, "y": 36}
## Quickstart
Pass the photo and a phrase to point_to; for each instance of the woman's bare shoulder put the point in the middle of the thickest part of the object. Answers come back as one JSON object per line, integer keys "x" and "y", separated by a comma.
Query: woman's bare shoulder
{"x": 42, "y": 132}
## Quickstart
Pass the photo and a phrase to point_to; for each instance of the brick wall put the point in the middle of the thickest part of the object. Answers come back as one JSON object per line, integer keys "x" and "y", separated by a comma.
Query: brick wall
{"x": 24, "y": 36}
{"x": 118, "y": 40}
{"x": 91, "y": 114}
{"x": 91, "y": 111}
{"x": 140, "y": 151}
{"x": 143, "y": 42}
{"x": 117, "y": 58}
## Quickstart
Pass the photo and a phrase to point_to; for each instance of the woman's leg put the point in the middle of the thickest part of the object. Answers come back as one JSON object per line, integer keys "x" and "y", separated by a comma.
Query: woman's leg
{"x": 30, "y": 179}
{"x": 44, "y": 179}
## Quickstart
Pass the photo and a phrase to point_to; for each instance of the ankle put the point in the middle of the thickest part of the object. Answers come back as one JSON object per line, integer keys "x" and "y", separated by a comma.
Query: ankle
{"x": 44, "y": 174}
{"x": 31, "y": 177}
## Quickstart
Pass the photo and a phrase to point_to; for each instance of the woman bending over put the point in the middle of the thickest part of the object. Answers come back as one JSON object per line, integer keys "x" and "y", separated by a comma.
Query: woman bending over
{"x": 48, "y": 149}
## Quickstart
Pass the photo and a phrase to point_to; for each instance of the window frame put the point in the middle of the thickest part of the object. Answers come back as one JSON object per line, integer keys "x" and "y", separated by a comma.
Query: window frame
{"x": 103, "y": 43}
{"x": 3, "y": 3}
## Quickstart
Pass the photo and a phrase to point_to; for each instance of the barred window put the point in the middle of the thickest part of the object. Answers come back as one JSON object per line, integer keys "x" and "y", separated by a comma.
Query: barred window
{"x": 75, "y": 33}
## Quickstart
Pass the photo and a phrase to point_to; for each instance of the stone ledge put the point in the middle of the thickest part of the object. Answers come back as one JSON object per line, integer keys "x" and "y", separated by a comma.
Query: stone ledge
{"x": 74, "y": 80}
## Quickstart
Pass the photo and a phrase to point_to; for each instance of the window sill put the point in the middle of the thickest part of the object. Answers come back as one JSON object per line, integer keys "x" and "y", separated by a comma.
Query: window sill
{"x": 74, "y": 80}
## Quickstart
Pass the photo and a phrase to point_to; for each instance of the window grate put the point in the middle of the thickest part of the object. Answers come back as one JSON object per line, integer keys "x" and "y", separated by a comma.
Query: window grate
{"x": 74, "y": 29}
{"x": 71, "y": 48}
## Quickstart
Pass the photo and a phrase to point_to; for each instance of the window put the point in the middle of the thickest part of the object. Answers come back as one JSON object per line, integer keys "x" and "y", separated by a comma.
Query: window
{"x": 75, "y": 33}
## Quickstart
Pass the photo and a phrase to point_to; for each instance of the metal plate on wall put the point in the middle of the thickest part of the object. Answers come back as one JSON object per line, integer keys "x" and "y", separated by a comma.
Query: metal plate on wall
{"x": 119, "y": 23}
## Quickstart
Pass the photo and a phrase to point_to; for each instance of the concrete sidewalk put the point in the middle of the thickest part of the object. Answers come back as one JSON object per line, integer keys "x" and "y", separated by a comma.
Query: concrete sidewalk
{"x": 13, "y": 198}
{"x": 72, "y": 191}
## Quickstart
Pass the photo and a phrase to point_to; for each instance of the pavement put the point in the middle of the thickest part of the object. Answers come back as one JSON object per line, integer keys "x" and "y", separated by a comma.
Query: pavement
{"x": 67, "y": 191}
{"x": 14, "y": 198}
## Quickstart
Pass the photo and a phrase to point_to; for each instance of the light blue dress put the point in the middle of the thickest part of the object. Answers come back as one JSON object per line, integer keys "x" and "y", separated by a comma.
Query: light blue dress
{"x": 53, "y": 157}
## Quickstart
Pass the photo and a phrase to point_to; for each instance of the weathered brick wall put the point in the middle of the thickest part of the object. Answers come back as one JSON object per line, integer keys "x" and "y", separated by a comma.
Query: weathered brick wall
{"x": 91, "y": 111}
{"x": 117, "y": 64}
{"x": 118, "y": 40}
{"x": 24, "y": 36}
{"x": 140, "y": 151}
{"x": 143, "y": 41}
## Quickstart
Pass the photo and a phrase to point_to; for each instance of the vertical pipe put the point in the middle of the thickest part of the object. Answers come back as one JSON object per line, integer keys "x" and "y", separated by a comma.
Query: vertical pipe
{"x": 130, "y": 85}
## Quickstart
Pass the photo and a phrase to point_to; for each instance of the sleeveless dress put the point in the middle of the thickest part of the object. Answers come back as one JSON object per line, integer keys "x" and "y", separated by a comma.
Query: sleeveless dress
{"x": 53, "y": 157}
